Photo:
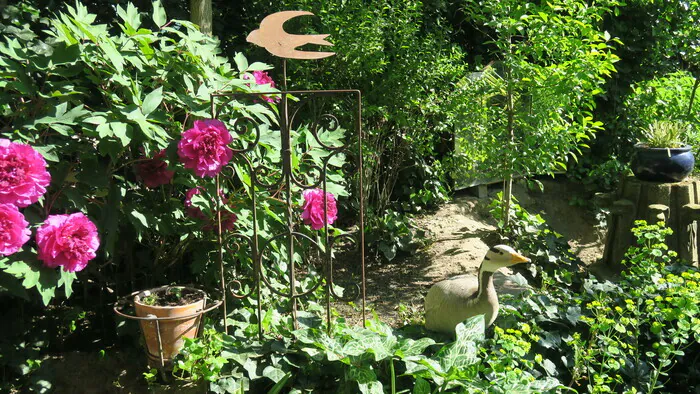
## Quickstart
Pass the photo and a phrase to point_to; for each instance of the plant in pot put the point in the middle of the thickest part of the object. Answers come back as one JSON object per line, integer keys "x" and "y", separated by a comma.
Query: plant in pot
{"x": 662, "y": 154}
{"x": 168, "y": 315}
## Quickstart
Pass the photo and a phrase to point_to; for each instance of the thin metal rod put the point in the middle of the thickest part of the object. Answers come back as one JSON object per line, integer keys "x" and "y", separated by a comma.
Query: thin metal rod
{"x": 329, "y": 259}
{"x": 221, "y": 252}
{"x": 257, "y": 258}
{"x": 284, "y": 73}
{"x": 362, "y": 206}
{"x": 285, "y": 135}
{"x": 219, "y": 233}
{"x": 160, "y": 345}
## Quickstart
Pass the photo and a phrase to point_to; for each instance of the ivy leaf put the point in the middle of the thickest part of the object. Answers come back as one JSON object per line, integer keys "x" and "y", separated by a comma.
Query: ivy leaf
{"x": 471, "y": 330}
{"x": 252, "y": 367}
{"x": 374, "y": 387}
{"x": 273, "y": 373}
{"x": 573, "y": 314}
{"x": 549, "y": 367}
{"x": 280, "y": 384}
{"x": 362, "y": 375}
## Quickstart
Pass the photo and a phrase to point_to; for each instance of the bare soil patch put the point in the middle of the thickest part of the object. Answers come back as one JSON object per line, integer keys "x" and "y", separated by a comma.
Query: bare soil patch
{"x": 460, "y": 232}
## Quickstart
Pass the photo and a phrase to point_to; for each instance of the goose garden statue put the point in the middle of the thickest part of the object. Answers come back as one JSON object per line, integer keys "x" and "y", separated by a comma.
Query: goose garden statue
{"x": 454, "y": 300}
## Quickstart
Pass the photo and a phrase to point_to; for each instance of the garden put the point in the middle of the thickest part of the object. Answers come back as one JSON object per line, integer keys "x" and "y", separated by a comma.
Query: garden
{"x": 208, "y": 196}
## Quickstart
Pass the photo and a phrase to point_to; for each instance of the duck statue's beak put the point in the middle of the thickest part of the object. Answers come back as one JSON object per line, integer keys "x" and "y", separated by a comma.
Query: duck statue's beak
{"x": 517, "y": 258}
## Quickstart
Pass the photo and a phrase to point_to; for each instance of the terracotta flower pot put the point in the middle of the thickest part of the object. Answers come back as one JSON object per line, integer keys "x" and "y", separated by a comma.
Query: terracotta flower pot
{"x": 174, "y": 323}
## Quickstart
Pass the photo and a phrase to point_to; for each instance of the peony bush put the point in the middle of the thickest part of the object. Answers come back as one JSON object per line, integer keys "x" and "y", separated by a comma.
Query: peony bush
{"x": 103, "y": 131}
{"x": 110, "y": 155}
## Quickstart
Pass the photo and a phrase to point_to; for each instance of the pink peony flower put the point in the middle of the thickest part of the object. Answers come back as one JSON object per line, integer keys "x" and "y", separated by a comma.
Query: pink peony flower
{"x": 23, "y": 175}
{"x": 313, "y": 208}
{"x": 154, "y": 172}
{"x": 14, "y": 230}
{"x": 69, "y": 241}
{"x": 203, "y": 148}
{"x": 228, "y": 219}
{"x": 262, "y": 78}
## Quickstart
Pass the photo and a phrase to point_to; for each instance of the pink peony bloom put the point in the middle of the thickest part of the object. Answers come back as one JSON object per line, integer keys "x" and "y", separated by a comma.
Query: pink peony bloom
{"x": 204, "y": 149}
{"x": 313, "y": 208}
{"x": 69, "y": 241}
{"x": 14, "y": 230}
{"x": 154, "y": 172}
{"x": 228, "y": 219}
{"x": 262, "y": 78}
{"x": 23, "y": 175}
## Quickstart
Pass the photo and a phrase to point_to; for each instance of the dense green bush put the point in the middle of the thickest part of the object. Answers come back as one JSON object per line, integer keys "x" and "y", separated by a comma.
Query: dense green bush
{"x": 666, "y": 97}
{"x": 531, "y": 109}
{"x": 659, "y": 38}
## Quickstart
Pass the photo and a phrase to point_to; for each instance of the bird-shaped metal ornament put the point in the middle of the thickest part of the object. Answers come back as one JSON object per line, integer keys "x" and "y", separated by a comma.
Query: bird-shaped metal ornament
{"x": 271, "y": 36}
{"x": 454, "y": 300}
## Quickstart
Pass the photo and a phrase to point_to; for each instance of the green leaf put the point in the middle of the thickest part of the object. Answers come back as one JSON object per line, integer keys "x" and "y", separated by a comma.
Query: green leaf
{"x": 471, "y": 330}
{"x": 27, "y": 272}
{"x": 463, "y": 352}
{"x": 66, "y": 281}
{"x": 241, "y": 62}
{"x": 421, "y": 386}
{"x": 277, "y": 388}
{"x": 48, "y": 282}
{"x": 48, "y": 152}
{"x": 152, "y": 101}
{"x": 258, "y": 66}
{"x": 12, "y": 285}
{"x": 63, "y": 54}
{"x": 273, "y": 373}
{"x": 115, "y": 58}
{"x": 410, "y": 347}
{"x": 121, "y": 131}
{"x": 159, "y": 16}
{"x": 141, "y": 218}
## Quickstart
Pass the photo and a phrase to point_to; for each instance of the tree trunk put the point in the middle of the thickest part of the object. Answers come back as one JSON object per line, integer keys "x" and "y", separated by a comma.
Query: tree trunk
{"x": 508, "y": 182}
{"x": 201, "y": 15}
{"x": 692, "y": 96}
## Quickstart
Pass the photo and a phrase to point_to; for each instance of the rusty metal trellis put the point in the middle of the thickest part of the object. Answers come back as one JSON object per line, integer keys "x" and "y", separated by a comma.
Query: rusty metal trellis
{"x": 314, "y": 109}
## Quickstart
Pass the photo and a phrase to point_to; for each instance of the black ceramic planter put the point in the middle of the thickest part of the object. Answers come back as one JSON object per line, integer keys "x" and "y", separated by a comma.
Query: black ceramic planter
{"x": 655, "y": 165}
